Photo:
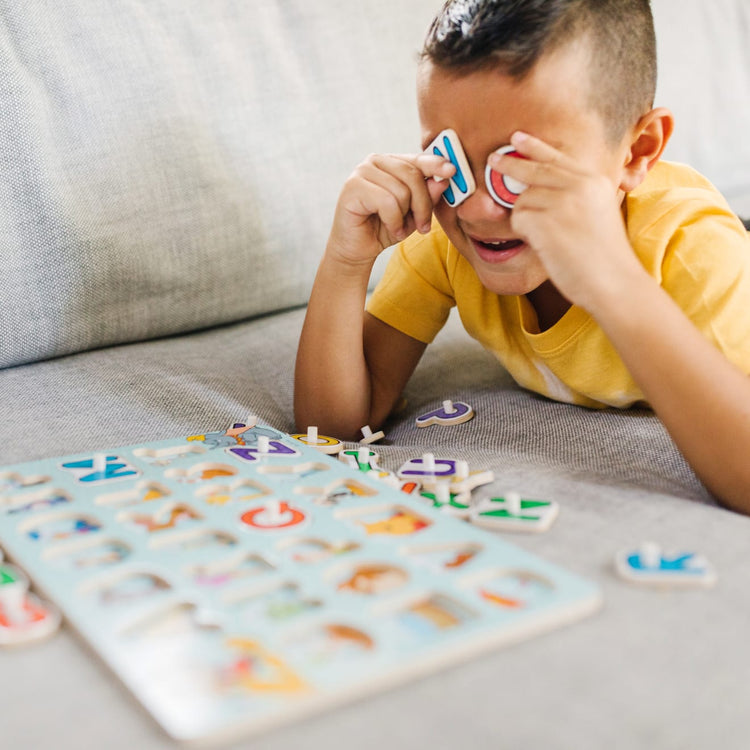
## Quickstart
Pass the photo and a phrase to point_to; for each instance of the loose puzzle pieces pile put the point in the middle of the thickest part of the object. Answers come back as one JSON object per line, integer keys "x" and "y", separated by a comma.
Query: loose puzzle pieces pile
{"x": 446, "y": 483}
{"x": 646, "y": 565}
{"x": 238, "y": 579}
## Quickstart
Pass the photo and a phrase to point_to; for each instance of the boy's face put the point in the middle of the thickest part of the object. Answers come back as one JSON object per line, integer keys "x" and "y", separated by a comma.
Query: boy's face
{"x": 485, "y": 108}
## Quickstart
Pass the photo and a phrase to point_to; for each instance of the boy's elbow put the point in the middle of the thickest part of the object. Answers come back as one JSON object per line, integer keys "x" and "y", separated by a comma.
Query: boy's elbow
{"x": 330, "y": 424}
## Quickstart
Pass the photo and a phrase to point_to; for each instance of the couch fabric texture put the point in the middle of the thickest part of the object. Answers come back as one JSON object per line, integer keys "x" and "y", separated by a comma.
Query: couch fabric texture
{"x": 169, "y": 170}
{"x": 169, "y": 166}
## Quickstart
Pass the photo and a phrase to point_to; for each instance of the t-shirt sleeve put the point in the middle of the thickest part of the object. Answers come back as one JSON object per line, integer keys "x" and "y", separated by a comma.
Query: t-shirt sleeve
{"x": 415, "y": 295}
{"x": 706, "y": 270}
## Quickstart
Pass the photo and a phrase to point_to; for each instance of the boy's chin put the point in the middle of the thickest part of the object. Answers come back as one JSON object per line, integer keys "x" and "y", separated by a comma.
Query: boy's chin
{"x": 522, "y": 275}
{"x": 511, "y": 287}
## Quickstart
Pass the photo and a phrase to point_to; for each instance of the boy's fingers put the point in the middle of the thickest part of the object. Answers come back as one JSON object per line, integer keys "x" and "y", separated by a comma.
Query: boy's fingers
{"x": 390, "y": 200}
{"x": 542, "y": 165}
{"x": 410, "y": 167}
{"x": 416, "y": 174}
{"x": 437, "y": 171}
{"x": 436, "y": 190}
{"x": 400, "y": 190}
{"x": 538, "y": 150}
{"x": 417, "y": 192}
{"x": 432, "y": 165}
{"x": 532, "y": 173}
{"x": 394, "y": 181}
{"x": 538, "y": 199}
{"x": 384, "y": 203}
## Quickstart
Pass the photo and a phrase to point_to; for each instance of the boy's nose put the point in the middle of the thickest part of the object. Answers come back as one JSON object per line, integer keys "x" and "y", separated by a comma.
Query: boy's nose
{"x": 480, "y": 206}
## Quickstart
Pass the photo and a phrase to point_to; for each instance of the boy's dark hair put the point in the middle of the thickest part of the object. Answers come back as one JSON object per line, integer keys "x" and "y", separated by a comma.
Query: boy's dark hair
{"x": 471, "y": 35}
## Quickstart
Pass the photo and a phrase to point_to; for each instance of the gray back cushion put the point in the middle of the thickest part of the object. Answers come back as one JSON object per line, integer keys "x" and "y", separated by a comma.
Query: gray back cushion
{"x": 704, "y": 78}
{"x": 169, "y": 165}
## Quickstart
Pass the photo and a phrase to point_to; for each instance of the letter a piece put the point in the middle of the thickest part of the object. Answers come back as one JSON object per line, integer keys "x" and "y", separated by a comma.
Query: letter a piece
{"x": 462, "y": 184}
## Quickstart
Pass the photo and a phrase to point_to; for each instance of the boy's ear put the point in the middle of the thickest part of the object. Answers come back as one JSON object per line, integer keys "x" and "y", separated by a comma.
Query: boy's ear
{"x": 648, "y": 140}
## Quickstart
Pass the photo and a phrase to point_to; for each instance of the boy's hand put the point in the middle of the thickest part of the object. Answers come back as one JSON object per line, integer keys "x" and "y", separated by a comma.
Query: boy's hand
{"x": 570, "y": 216}
{"x": 385, "y": 199}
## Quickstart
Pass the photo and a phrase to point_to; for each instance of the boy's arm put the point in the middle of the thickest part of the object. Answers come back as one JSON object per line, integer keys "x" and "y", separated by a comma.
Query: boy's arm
{"x": 574, "y": 224}
{"x": 700, "y": 396}
{"x": 351, "y": 367}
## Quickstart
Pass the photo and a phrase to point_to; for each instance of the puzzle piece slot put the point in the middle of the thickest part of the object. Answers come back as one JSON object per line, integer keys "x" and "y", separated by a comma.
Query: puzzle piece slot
{"x": 197, "y": 539}
{"x": 11, "y": 481}
{"x": 310, "y": 551}
{"x": 203, "y": 472}
{"x": 510, "y": 589}
{"x": 442, "y": 557}
{"x": 368, "y": 578}
{"x": 143, "y": 492}
{"x": 241, "y": 490}
{"x": 424, "y": 615}
{"x": 167, "y": 517}
{"x": 219, "y": 573}
{"x": 301, "y": 470}
{"x": 56, "y": 527}
{"x": 386, "y": 520}
{"x": 125, "y": 588}
{"x": 165, "y": 456}
{"x": 337, "y": 491}
{"x": 278, "y": 602}
{"x": 167, "y": 622}
{"x": 257, "y": 670}
{"x": 330, "y": 644}
{"x": 34, "y": 502}
{"x": 88, "y": 554}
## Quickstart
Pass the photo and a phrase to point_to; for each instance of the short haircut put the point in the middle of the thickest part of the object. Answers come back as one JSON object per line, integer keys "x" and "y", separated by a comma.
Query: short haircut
{"x": 512, "y": 35}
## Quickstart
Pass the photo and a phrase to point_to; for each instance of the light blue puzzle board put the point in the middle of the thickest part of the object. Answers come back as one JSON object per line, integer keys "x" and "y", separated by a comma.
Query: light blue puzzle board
{"x": 232, "y": 590}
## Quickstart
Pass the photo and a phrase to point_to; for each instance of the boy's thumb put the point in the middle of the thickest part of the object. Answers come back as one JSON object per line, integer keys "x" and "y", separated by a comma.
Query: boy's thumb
{"x": 436, "y": 186}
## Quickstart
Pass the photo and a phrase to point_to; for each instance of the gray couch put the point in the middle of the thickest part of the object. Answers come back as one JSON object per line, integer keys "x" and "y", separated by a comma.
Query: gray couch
{"x": 169, "y": 172}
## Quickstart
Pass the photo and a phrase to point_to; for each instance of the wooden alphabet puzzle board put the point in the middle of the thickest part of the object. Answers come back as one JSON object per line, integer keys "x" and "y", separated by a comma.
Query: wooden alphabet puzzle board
{"x": 233, "y": 587}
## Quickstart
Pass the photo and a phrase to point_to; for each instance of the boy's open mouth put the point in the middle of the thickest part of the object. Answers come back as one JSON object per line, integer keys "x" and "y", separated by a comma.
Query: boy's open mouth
{"x": 500, "y": 245}
{"x": 497, "y": 251}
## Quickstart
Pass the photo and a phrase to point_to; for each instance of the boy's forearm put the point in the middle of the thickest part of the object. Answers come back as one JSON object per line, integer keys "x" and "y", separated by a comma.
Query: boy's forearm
{"x": 332, "y": 383}
{"x": 702, "y": 399}
{"x": 386, "y": 198}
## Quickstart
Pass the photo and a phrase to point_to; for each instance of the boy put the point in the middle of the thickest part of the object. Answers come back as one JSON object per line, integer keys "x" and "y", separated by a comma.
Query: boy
{"x": 569, "y": 84}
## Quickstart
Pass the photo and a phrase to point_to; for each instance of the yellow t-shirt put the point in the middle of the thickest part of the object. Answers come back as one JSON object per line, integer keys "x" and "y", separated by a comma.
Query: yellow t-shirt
{"x": 684, "y": 234}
